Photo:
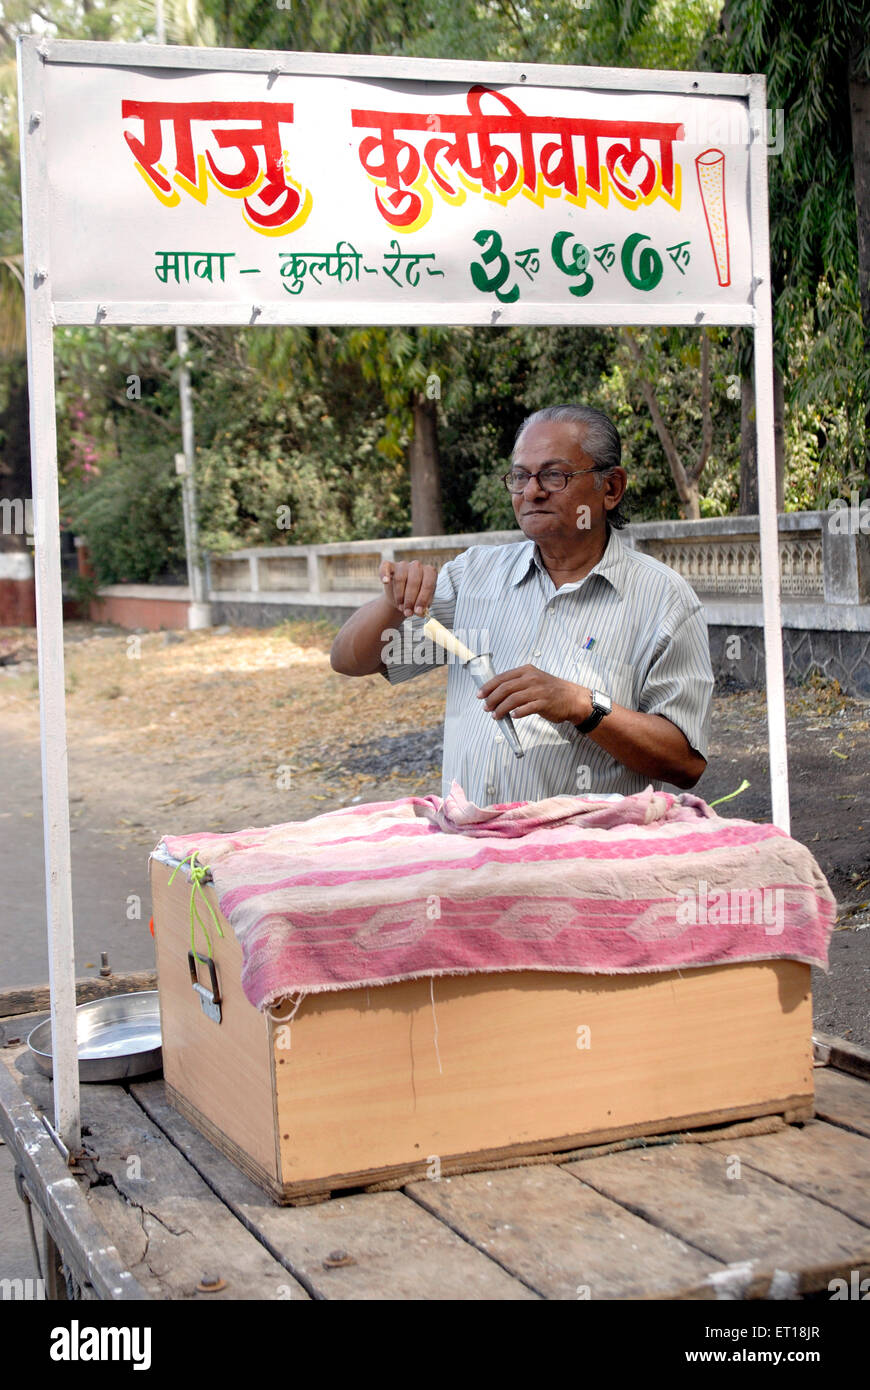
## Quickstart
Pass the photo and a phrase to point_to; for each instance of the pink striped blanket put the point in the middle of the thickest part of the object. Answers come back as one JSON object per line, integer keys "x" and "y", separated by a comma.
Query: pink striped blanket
{"x": 394, "y": 890}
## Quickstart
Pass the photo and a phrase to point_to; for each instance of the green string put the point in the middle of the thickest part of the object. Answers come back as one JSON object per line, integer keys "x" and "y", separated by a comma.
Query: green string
{"x": 197, "y": 877}
{"x": 731, "y": 795}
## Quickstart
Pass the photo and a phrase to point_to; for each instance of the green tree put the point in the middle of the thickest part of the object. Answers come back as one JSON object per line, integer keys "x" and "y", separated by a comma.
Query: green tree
{"x": 403, "y": 360}
{"x": 816, "y": 57}
{"x": 315, "y": 26}
{"x": 302, "y": 436}
{"x": 415, "y": 369}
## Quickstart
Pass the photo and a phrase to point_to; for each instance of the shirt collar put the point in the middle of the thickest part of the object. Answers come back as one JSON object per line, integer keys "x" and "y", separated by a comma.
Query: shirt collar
{"x": 611, "y": 566}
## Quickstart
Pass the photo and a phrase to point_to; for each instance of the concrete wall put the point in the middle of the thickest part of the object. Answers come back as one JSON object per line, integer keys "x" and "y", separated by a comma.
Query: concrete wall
{"x": 739, "y": 664}
{"x": 142, "y": 605}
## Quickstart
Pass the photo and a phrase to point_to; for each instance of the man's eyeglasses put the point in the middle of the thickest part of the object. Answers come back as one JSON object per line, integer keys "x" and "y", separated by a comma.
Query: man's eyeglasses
{"x": 550, "y": 479}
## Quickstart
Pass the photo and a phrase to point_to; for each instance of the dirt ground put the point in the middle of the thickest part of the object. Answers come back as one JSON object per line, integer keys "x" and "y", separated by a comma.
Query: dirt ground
{"x": 171, "y": 733}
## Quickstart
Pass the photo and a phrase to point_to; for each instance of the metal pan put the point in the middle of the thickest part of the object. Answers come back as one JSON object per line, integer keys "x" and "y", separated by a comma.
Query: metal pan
{"x": 118, "y": 1036}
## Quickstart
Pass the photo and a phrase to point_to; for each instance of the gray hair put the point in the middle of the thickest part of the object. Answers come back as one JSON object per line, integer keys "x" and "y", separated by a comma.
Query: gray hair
{"x": 601, "y": 442}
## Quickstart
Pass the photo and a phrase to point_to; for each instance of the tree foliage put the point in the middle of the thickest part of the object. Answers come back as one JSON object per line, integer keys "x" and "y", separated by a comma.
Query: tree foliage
{"x": 809, "y": 50}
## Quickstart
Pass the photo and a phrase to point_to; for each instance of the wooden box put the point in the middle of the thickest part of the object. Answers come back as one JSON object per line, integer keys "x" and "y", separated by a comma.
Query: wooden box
{"x": 366, "y": 1085}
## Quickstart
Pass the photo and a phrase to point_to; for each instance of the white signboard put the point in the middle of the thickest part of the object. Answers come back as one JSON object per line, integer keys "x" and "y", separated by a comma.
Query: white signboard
{"x": 317, "y": 197}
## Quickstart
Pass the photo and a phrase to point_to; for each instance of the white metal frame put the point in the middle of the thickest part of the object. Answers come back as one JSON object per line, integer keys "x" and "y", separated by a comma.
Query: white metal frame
{"x": 43, "y": 316}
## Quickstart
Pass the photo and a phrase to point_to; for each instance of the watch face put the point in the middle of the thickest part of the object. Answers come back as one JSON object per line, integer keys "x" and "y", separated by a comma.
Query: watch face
{"x": 602, "y": 701}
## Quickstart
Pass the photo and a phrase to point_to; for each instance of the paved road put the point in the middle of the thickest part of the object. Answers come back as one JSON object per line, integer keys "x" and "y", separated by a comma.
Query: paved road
{"x": 102, "y": 881}
{"x": 16, "y": 1252}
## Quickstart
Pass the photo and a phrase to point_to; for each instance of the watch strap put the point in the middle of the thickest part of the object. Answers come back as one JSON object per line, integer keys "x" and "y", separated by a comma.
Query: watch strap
{"x": 595, "y": 718}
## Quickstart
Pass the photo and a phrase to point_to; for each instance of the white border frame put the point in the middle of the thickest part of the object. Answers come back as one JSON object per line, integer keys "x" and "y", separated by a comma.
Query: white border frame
{"x": 43, "y": 316}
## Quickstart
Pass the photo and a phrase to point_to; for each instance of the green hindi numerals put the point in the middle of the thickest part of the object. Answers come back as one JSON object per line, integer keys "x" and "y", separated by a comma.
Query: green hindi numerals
{"x": 642, "y": 265}
{"x": 644, "y": 272}
{"x": 578, "y": 264}
{"x": 493, "y": 257}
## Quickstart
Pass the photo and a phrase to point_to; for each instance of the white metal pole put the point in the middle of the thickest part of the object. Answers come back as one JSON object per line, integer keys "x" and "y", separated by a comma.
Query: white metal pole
{"x": 199, "y": 613}
{"x": 767, "y": 512}
{"x": 181, "y": 469}
{"x": 49, "y": 600}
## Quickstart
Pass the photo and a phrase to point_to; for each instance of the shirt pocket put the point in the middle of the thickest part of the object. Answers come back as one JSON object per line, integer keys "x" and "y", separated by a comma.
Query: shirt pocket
{"x": 614, "y": 678}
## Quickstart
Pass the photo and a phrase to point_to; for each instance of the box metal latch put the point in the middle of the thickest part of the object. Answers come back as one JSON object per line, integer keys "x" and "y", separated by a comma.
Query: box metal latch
{"x": 210, "y": 999}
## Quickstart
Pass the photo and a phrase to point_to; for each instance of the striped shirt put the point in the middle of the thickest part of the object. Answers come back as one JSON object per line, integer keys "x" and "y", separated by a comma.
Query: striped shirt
{"x": 632, "y": 628}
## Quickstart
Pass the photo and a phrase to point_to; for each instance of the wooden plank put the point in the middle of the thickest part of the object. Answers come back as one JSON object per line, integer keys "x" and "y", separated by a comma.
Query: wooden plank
{"x": 14, "y": 1032}
{"x": 746, "y": 1281}
{"x": 398, "y": 1250}
{"x": 129, "y": 1233}
{"x": 820, "y": 1160}
{"x": 843, "y": 1100}
{"x": 190, "y": 1232}
{"x": 234, "y": 1187}
{"x": 845, "y": 1056}
{"x": 563, "y": 1239}
{"x": 187, "y": 1229}
{"x": 25, "y": 999}
{"x": 274, "y": 312}
{"x": 85, "y": 1246}
{"x": 751, "y": 1221}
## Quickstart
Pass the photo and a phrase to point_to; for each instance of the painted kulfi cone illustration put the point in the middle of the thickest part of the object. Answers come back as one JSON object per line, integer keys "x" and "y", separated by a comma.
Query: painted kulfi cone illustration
{"x": 479, "y": 667}
{"x": 710, "y": 167}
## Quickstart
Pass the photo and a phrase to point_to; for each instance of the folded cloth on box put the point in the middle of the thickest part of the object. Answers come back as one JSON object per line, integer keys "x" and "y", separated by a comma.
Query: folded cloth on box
{"x": 394, "y": 890}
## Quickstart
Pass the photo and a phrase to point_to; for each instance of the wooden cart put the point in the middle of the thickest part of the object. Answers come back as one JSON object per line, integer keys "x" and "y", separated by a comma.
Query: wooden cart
{"x": 342, "y": 1089}
{"x": 151, "y": 1210}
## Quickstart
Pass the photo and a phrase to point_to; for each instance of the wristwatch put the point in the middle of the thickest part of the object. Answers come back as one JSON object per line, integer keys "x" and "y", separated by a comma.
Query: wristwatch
{"x": 601, "y": 705}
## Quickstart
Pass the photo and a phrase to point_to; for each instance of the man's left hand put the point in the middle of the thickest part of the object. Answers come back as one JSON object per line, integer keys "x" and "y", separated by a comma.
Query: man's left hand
{"x": 526, "y": 690}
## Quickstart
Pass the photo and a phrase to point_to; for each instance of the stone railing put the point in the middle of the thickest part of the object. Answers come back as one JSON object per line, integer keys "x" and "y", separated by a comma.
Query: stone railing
{"x": 330, "y": 575}
{"x": 733, "y": 565}
{"x": 719, "y": 556}
{"x": 722, "y": 555}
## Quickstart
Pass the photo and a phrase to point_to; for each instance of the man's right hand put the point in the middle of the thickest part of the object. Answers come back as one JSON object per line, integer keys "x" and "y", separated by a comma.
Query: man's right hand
{"x": 409, "y": 586}
{"x": 408, "y": 589}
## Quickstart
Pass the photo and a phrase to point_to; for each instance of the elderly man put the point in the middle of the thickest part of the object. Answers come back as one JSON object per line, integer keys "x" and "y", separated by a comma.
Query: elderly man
{"x": 601, "y": 652}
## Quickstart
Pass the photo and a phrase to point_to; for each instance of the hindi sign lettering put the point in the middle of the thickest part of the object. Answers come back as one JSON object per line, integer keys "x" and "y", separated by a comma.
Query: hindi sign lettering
{"x": 325, "y": 197}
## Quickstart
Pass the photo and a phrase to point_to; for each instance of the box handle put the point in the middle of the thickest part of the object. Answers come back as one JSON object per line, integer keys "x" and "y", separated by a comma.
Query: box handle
{"x": 210, "y": 999}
